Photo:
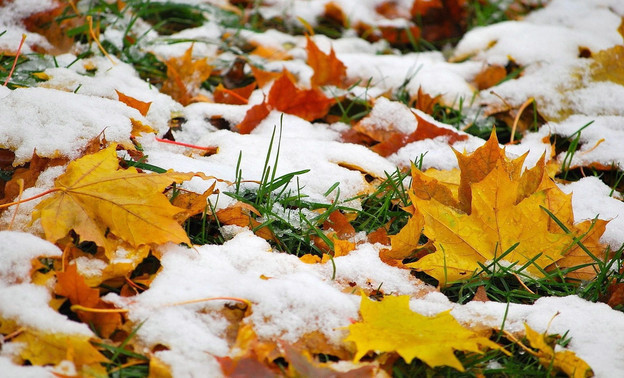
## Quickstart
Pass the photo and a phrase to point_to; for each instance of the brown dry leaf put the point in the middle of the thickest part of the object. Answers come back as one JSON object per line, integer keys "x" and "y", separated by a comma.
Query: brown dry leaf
{"x": 239, "y": 214}
{"x": 48, "y": 24}
{"x": 390, "y": 326}
{"x": 185, "y": 76}
{"x": 424, "y": 101}
{"x": 94, "y": 197}
{"x": 308, "y": 104}
{"x": 489, "y": 77}
{"x": 142, "y": 107}
{"x": 302, "y": 364}
{"x": 338, "y": 222}
{"x": 193, "y": 203}
{"x": 328, "y": 70}
{"x": 29, "y": 175}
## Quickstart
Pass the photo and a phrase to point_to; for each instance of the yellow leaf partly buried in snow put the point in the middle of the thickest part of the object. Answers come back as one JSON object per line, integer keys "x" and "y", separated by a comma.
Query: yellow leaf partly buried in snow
{"x": 499, "y": 210}
{"x": 390, "y": 326}
{"x": 50, "y": 348}
{"x": 94, "y": 198}
{"x": 564, "y": 360}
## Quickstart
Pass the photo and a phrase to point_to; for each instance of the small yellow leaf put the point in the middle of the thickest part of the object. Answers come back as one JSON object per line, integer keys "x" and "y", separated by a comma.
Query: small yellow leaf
{"x": 390, "y": 325}
{"x": 565, "y": 360}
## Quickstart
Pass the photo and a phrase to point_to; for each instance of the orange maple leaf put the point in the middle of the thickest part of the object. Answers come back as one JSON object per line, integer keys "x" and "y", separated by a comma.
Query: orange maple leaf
{"x": 253, "y": 117}
{"x": 184, "y": 77}
{"x": 94, "y": 198}
{"x": 72, "y": 285}
{"x": 308, "y": 104}
{"x": 328, "y": 70}
{"x": 141, "y": 106}
{"x": 425, "y": 130}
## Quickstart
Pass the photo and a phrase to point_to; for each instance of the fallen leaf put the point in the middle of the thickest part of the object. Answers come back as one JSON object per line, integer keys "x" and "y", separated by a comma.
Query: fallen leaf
{"x": 424, "y": 130}
{"x": 94, "y": 197}
{"x": 185, "y": 76}
{"x": 142, "y": 107}
{"x": 263, "y": 77}
{"x": 236, "y": 96}
{"x": 608, "y": 65}
{"x": 390, "y": 326}
{"x": 489, "y": 77}
{"x": 563, "y": 360}
{"x": 308, "y": 104}
{"x": 239, "y": 214}
{"x": 498, "y": 210}
{"x": 253, "y": 117}
{"x": 72, "y": 285}
{"x": 51, "y": 348}
{"x": 328, "y": 70}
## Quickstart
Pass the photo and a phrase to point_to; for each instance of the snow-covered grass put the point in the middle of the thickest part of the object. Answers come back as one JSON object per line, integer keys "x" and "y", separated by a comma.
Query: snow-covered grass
{"x": 294, "y": 173}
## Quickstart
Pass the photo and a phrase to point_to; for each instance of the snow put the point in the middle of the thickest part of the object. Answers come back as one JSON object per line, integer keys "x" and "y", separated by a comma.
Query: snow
{"x": 288, "y": 298}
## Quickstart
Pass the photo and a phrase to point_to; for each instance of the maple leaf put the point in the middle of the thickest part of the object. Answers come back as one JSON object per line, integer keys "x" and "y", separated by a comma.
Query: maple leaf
{"x": 236, "y": 96}
{"x": 498, "y": 210}
{"x": 328, "y": 70}
{"x": 141, "y": 106}
{"x": 52, "y": 348}
{"x": 390, "y": 325}
{"x": 425, "y": 130}
{"x": 253, "y": 117}
{"x": 308, "y": 104}
{"x": 94, "y": 197}
{"x": 184, "y": 76}
{"x": 564, "y": 360}
{"x": 72, "y": 285}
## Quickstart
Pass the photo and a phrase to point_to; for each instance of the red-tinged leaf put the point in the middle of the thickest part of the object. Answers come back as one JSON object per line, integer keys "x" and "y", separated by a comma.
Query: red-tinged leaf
{"x": 308, "y": 104}
{"x": 425, "y": 130}
{"x": 263, "y": 77}
{"x": 236, "y": 96}
{"x": 254, "y": 116}
{"x": 142, "y": 107}
{"x": 244, "y": 367}
{"x": 328, "y": 70}
{"x": 421, "y": 7}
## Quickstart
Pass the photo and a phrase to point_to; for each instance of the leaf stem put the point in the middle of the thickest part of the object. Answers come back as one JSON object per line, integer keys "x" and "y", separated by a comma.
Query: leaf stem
{"x": 4, "y": 205}
{"x": 17, "y": 54}
{"x": 75, "y": 308}
{"x": 211, "y": 150}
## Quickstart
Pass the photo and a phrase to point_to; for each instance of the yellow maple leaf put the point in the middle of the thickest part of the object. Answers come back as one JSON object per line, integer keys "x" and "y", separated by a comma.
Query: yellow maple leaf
{"x": 390, "y": 326}
{"x": 499, "y": 210}
{"x": 94, "y": 197}
{"x": 564, "y": 360}
{"x": 185, "y": 76}
{"x": 51, "y": 348}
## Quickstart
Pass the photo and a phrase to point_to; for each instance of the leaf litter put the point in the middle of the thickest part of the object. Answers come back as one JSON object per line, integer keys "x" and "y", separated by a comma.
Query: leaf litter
{"x": 122, "y": 261}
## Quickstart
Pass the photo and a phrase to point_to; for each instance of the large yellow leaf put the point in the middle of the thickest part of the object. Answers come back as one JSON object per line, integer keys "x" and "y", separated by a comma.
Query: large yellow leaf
{"x": 390, "y": 326}
{"x": 564, "y": 360}
{"x": 498, "y": 207}
{"x": 95, "y": 197}
{"x": 51, "y": 348}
